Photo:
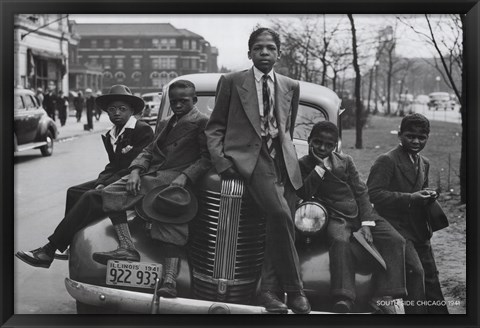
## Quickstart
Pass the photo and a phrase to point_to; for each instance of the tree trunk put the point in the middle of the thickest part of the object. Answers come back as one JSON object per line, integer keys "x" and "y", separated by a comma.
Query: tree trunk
{"x": 358, "y": 101}
{"x": 463, "y": 113}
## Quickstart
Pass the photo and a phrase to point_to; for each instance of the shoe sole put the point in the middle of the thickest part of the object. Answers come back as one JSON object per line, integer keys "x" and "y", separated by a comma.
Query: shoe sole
{"x": 28, "y": 260}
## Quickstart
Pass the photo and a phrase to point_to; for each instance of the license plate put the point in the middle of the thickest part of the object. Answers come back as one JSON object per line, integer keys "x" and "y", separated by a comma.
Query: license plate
{"x": 133, "y": 274}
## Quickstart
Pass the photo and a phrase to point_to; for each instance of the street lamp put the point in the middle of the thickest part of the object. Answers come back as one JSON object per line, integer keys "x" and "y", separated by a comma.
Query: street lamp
{"x": 438, "y": 82}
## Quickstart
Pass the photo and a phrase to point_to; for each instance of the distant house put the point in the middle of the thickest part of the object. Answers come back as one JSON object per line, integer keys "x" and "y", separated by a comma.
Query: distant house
{"x": 143, "y": 56}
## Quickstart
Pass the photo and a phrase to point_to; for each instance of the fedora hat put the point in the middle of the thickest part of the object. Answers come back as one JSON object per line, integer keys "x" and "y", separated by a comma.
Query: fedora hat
{"x": 367, "y": 252}
{"x": 168, "y": 204}
{"x": 120, "y": 92}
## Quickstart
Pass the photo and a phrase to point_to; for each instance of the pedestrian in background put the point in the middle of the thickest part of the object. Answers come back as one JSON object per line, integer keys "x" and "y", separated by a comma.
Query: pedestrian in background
{"x": 62, "y": 107}
{"x": 79, "y": 103}
{"x": 40, "y": 96}
{"x": 49, "y": 104}
{"x": 90, "y": 103}
{"x": 98, "y": 110}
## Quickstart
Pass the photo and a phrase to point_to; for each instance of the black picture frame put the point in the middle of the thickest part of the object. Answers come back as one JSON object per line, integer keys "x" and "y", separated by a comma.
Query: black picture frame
{"x": 9, "y": 8}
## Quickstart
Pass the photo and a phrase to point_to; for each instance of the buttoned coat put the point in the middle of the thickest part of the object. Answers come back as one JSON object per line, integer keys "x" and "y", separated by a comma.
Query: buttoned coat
{"x": 341, "y": 189}
{"x": 129, "y": 145}
{"x": 183, "y": 149}
{"x": 392, "y": 179}
{"x": 236, "y": 106}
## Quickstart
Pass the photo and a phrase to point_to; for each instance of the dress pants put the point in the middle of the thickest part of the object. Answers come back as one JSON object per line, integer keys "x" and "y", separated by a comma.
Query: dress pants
{"x": 390, "y": 244}
{"x": 280, "y": 271}
{"x": 86, "y": 210}
{"x": 75, "y": 192}
{"x": 422, "y": 280}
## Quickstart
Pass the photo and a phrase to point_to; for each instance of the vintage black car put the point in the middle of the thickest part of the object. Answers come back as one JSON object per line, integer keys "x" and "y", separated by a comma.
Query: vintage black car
{"x": 220, "y": 270}
{"x": 33, "y": 128}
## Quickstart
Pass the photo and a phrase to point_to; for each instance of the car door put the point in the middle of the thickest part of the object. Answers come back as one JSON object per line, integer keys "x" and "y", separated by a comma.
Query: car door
{"x": 21, "y": 124}
{"x": 35, "y": 115}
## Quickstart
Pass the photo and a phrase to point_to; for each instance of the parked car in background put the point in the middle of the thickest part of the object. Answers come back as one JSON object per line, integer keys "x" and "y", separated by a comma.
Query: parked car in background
{"x": 440, "y": 100}
{"x": 221, "y": 267}
{"x": 152, "y": 105}
{"x": 32, "y": 127}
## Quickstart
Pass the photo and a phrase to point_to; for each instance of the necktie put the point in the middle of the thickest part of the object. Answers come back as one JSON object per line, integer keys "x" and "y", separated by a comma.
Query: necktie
{"x": 268, "y": 118}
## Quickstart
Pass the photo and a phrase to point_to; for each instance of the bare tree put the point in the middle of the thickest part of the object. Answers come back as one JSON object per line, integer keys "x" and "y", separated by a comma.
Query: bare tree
{"x": 358, "y": 82}
{"x": 447, "y": 40}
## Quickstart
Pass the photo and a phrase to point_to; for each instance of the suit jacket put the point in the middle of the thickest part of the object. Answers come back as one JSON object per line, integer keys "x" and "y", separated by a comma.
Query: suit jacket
{"x": 392, "y": 179}
{"x": 340, "y": 190}
{"x": 120, "y": 159}
{"x": 182, "y": 150}
{"x": 233, "y": 131}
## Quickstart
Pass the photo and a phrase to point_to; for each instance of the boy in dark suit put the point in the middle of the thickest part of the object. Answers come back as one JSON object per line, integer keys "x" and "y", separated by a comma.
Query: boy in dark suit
{"x": 249, "y": 135}
{"x": 123, "y": 143}
{"x": 397, "y": 186}
{"x": 332, "y": 178}
{"x": 178, "y": 156}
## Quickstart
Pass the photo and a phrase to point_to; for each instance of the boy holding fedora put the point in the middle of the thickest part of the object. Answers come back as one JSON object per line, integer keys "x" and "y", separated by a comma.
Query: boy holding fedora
{"x": 178, "y": 157}
{"x": 123, "y": 142}
{"x": 333, "y": 179}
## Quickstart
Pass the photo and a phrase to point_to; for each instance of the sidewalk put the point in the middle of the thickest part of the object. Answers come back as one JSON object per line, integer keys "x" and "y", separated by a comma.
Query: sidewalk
{"x": 73, "y": 129}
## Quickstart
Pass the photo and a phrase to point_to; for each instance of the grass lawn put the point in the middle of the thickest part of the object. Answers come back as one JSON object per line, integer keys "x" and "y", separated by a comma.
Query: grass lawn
{"x": 443, "y": 151}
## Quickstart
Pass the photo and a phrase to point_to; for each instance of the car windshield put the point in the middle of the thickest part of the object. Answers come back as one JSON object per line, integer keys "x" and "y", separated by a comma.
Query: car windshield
{"x": 151, "y": 98}
{"x": 307, "y": 115}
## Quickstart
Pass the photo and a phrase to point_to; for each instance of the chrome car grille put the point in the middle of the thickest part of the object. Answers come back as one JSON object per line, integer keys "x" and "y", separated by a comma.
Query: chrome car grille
{"x": 227, "y": 246}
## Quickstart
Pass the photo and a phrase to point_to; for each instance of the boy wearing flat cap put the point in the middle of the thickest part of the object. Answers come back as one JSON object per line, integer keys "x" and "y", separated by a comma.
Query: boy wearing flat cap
{"x": 178, "y": 156}
{"x": 125, "y": 140}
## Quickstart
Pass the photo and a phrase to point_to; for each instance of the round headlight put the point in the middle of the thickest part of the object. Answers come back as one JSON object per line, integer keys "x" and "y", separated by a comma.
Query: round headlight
{"x": 310, "y": 217}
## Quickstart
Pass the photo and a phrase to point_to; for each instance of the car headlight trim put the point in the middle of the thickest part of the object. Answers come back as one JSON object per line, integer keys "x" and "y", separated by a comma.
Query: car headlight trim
{"x": 311, "y": 217}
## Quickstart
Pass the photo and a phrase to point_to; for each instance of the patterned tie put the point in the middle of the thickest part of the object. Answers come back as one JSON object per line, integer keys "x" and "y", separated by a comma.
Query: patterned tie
{"x": 268, "y": 117}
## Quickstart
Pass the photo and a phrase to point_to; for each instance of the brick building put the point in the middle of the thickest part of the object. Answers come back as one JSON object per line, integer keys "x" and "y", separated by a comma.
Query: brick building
{"x": 143, "y": 56}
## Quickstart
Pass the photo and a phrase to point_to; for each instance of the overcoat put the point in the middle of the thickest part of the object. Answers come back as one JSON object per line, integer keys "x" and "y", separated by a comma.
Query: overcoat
{"x": 392, "y": 179}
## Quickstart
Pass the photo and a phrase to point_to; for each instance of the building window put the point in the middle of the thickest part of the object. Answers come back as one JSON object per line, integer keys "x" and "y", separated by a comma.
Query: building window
{"x": 120, "y": 43}
{"x": 107, "y": 63}
{"x": 172, "y": 75}
{"x": 136, "y": 43}
{"x": 137, "y": 63}
{"x": 106, "y": 43}
{"x": 155, "y": 77}
{"x": 186, "y": 44}
{"x": 107, "y": 77}
{"x": 194, "y": 44}
{"x": 120, "y": 76}
{"x": 186, "y": 63}
{"x": 119, "y": 63}
{"x": 163, "y": 78}
{"x": 172, "y": 63}
{"x": 155, "y": 43}
{"x": 173, "y": 43}
{"x": 194, "y": 63}
{"x": 164, "y": 44}
{"x": 163, "y": 62}
{"x": 93, "y": 43}
{"x": 136, "y": 76}
{"x": 93, "y": 62}
{"x": 155, "y": 63}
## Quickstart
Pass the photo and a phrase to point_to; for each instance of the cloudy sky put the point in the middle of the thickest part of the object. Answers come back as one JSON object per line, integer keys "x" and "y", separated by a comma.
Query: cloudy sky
{"x": 229, "y": 33}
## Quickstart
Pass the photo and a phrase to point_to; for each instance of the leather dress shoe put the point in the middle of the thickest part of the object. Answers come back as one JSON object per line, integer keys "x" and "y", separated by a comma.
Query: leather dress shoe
{"x": 37, "y": 258}
{"x": 271, "y": 302}
{"x": 298, "y": 302}
{"x": 344, "y": 305}
{"x": 167, "y": 290}
{"x": 120, "y": 254}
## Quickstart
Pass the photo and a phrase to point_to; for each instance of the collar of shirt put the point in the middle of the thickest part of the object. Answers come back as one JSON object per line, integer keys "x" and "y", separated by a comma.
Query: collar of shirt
{"x": 411, "y": 156}
{"x": 258, "y": 74}
{"x": 132, "y": 121}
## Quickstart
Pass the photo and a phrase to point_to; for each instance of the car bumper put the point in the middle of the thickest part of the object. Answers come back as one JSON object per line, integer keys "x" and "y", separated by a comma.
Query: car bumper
{"x": 129, "y": 301}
